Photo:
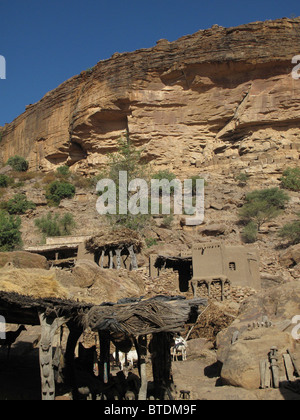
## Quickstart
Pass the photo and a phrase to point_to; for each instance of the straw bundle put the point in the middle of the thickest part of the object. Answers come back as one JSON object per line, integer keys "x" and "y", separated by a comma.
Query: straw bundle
{"x": 114, "y": 239}
{"x": 36, "y": 283}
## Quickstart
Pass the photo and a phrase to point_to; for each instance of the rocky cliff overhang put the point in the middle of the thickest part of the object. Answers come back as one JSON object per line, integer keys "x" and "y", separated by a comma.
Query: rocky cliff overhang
{"x": 222, "y": 98}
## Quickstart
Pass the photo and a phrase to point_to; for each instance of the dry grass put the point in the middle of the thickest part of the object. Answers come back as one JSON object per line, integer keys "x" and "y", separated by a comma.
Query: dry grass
{"x": 37, "y": 283}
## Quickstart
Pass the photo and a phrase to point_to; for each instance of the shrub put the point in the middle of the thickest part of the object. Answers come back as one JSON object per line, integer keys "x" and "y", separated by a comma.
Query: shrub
{"x": 164, "y": 175}
{"x": 4, "y": 180}
{"x": 18, "y": 204}
{"x": 250, "y": 232}
{"x": 194, "y": 183}
{"x": 48, "y": 178}
{"x": 63, "y": 171}
{"x": 263, "y": 205}
{"x": 67, "y": 223}
{"x": 169, "y": 176}
{"x": 58, "y": 190}
{"x": 167, "y": 221}
{"x": 242, "y": 179}
{"x": 10, "y": 235}
{"x": 151, "y": 242}
{"x": 291, "y": 179}
{"x": 55, "y": 226}
{"x": 291, "y": 231}
{"x": 18, "y": 163}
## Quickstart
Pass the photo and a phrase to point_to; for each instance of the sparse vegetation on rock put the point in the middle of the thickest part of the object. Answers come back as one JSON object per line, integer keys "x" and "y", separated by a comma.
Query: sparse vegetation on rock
{"x": 18, "y": 163}
{"x": 10, "y": 235}
{"x": 18, "y": 204}
{"x": 291, "y": 179}
{"x": 58, "y": 190}
{"x": 291, "y": 231}
{"x": 54, "y": 225}
{"x": 262, "y": 206}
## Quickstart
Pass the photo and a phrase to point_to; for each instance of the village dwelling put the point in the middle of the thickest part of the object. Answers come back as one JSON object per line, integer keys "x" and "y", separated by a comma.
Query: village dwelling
{"x": 109, "y": 249}
{"x": 35, "y": 298}
{"x": 212, "y": 262}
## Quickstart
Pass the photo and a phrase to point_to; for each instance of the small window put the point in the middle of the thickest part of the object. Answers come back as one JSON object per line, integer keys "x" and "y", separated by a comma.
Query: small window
{"x": 232, "y": 266}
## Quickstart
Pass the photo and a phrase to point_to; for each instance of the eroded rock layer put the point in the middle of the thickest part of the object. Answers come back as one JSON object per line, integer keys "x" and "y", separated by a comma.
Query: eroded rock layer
{"x": 221, "y": 98}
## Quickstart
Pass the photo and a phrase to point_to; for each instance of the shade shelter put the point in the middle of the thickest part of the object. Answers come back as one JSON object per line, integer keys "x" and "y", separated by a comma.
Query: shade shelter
{"x": 126, "y": 323}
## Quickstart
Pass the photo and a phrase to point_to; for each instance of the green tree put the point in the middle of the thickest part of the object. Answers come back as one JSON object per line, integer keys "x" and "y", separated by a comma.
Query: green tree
{"x": 291, "y": 231}
{"x": 261, "y": 207}
{"x": 291, "y": 179}
{"x": 54, "y": 225}
{"x": 18, "y": 163}
{"x": 4, "y": 180}
{"x": 126, "y": 159}
{"x": 10, "y": 235}
{"x": 18, "y": 204}
{"x": 63, "y": 171}
{"x": 58, "y": 190}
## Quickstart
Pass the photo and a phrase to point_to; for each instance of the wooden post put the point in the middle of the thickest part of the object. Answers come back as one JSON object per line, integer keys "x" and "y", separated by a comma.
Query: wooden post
{"x": 104, "y": 365}
{"x": 111, "y": 259}
{"x": 74, "y": 335}
{"x": 141, "y": 348}
{"x": 162, "y": 364}
{"x": 102, "y": 258}
{"x": 134, "y": 265}
{"x": 49, "y": 328}
{"x": 118, "y": 254}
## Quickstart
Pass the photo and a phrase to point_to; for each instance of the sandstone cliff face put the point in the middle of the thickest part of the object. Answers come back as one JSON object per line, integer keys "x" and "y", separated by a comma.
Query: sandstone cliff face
{"x": 221, "y": 99}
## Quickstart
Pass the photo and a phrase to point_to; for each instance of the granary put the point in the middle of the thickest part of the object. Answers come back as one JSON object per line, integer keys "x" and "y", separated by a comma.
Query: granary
{"x": 109, "y": 249}
{"x": 34, "y": 297}
{"x": 116, "y": 249}
{"x": 212, "y": 262}
{"x": 63, "y": 251}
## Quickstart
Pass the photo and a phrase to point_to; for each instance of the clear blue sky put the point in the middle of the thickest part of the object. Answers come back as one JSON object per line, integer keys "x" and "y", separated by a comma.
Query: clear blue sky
{"x": 45, "y": 42}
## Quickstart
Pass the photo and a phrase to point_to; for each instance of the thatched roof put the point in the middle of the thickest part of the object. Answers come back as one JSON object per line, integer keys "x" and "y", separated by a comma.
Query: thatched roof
{"x": 21, "y": 309}
{"x": 142, "y": 317}
{"x": 114, "y": 239}
{"x": 37, "y": 283}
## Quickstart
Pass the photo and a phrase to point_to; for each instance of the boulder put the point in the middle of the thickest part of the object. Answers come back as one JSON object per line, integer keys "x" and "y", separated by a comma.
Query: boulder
{"x": 241, "y": 366}
{"x": 22, "y": 259}
{"x": 241, "y": 360}
{"x": 213, "y": 230}
{"x": 198, "y": 347}
{"x": 5, "y": 170}
{"x": 85, "y": 273}
{"x": 290, "y": 257}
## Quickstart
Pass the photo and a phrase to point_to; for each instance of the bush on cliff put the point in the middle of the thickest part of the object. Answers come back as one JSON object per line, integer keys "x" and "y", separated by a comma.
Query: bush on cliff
{"x": 291, "y": 179}
{"x": 55, "y": 226}
{"x": 291, "y": 231}
{"x": 18, "y": 163}
{"x": 18, "y": 204}
{"x": 10, "y": 235}
{"x": 58, "y": 190}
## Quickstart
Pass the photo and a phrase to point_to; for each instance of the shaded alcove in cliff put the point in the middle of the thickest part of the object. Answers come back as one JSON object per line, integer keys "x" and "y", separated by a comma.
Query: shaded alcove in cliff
{"x": 76, "y": 153}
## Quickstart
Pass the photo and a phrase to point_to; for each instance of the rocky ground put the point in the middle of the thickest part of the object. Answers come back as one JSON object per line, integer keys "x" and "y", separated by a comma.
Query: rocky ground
{"x": 214, "y": 369}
